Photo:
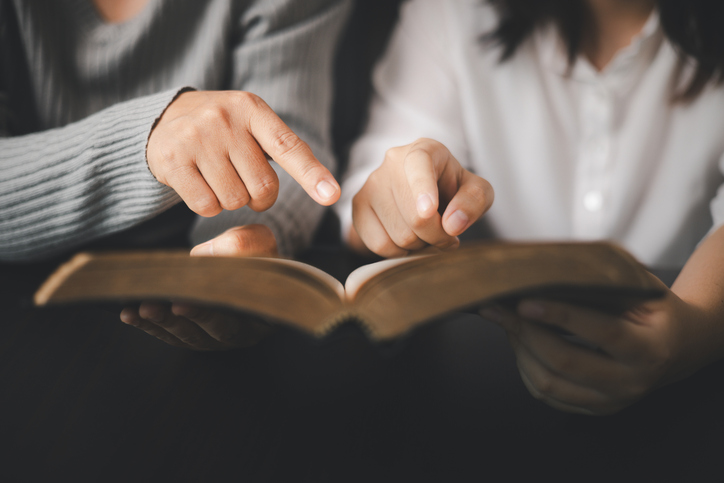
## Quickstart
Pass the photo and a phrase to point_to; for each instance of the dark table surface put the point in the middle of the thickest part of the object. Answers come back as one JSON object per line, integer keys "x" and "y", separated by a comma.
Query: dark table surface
{"x": 85, "y": 398}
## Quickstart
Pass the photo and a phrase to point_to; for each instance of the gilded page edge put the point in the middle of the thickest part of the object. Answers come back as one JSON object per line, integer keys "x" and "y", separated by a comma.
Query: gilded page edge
{"x": 58, "y": 278}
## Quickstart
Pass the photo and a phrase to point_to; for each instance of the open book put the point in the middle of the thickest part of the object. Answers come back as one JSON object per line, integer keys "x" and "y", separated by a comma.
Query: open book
{"x": 388, "y": 298}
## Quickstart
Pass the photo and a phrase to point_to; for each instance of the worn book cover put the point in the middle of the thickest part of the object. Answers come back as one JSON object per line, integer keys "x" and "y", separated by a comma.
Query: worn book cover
{"x": 388, "y": 298}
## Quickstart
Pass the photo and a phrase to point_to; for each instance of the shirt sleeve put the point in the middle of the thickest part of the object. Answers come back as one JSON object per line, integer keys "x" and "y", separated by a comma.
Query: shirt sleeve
{"x": 415, "y": 96}
{"x": 63, "y": 187}
{"x": 286, "y": 58}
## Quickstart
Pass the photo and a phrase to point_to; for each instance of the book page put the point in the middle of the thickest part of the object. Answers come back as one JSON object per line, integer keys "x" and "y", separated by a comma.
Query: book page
{"x": 333, "y": 283}
{"x": 364, "y": 273}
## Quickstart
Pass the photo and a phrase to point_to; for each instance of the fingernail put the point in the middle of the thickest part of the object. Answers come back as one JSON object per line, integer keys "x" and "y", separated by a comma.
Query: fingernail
{"x": 457, "y": 223}
{"x": 326, "y": 190}
{"x": 531, "y": 309}
{"x": 492, "y": 314}
{"x": 203, "y": 250}
{"x": 424, "y": 204}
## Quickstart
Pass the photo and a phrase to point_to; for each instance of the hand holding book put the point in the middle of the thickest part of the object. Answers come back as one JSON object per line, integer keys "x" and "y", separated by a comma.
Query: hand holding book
{"x": 200, "y": 328}
{"x": 588, "y": 361}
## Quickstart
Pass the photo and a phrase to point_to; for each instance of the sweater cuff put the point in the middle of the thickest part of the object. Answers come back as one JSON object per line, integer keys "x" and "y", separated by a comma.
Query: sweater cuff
{"x": 70, "y": 185}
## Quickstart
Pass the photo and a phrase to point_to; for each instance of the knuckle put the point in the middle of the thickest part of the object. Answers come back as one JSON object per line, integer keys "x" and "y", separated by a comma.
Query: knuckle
{"x": 236, "y": 200}
{"x": 249, "y": 100}
{"x": 478, "y": 193}
{"x": 265, "y": 189}
{"x": 359, "y": 201}
{"x": 393, "y": 154}
{"x": 376, "y": 178}
{"x": 383, "y": 247}
{"x": 287, "y": 143}
{"x": 214, "y": 115}
{"x": 259, "y": 231}
{"x": 187, "y": 131}
{"x": 180, "y": 173}
{"x": 427, "y": 146}
{"x": 378, "y": 245}
{"x": 407, "y": 239}
{"x": 169, "y": 152}
{"x": 170, "y": 157}
{"x": 205, "y": 206}
{"x": 417, "y": 154}
{"x": 418, "y": 158}
{"x": 417, "y": 223}
{"x": 427, "y": 142}
{"x": 236, "y": 240}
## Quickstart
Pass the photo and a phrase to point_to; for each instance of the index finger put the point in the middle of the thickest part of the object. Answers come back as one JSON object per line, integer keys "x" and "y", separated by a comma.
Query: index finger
{"x": 292, "y": 154}
{"x": 423, "y": 165}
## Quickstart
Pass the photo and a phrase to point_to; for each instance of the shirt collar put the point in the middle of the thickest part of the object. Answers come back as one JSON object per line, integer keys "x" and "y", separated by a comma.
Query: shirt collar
{"x": 554, "y": 53}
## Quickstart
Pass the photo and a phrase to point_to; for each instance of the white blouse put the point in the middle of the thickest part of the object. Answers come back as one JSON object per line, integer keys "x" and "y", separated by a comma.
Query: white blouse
{"x": 571, "y": 152}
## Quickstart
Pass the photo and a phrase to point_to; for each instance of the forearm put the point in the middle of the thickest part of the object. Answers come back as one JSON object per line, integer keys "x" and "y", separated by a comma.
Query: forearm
{"x": 700, "y": 285}
{"x": 64, "y": 187}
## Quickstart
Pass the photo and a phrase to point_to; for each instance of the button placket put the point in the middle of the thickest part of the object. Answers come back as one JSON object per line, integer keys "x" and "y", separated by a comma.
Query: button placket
{"x": 591, "y": 179}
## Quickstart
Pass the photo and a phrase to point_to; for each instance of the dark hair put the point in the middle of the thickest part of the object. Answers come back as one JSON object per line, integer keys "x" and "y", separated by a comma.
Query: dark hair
{"x": 694, "y": 27}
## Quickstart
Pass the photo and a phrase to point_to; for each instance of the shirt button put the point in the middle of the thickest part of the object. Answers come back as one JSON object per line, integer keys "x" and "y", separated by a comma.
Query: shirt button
{"x": 593, "y": 201}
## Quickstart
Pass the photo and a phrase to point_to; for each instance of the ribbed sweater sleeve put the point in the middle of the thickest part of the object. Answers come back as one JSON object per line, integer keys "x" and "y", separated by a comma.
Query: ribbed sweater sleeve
{"x": 63, "y": 187}
{"x": 99, "y": 87}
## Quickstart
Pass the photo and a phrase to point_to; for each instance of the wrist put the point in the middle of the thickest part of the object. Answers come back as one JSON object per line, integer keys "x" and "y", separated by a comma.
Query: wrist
{"x": 698, "y": 338}
{"x": 158, "y": 119}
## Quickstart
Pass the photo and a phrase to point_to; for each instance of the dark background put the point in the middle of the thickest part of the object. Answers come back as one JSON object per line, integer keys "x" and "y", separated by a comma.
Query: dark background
{"x": 84, "y": 397}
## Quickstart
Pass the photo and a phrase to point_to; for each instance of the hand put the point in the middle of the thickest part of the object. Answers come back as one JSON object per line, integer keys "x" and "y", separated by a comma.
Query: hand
{"x": 398, "y": 209}
{"x": 608, "y": 363}
{"x": 211, "y": 147}
{"x": 198, "y": 328}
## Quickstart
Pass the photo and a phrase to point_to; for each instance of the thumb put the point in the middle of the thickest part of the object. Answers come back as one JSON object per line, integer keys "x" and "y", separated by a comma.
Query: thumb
{"x": 473, "y": 198}
{"x": 240, "y": 241}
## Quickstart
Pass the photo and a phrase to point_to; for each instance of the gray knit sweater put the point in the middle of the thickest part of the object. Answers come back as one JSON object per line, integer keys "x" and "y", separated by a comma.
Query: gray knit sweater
{"x": 73, "y": 133}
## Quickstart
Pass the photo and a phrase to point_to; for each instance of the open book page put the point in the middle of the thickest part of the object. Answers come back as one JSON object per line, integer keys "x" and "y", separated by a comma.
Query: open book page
{"x": 315, "y": 272}
{"x": 358, "y": 277}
